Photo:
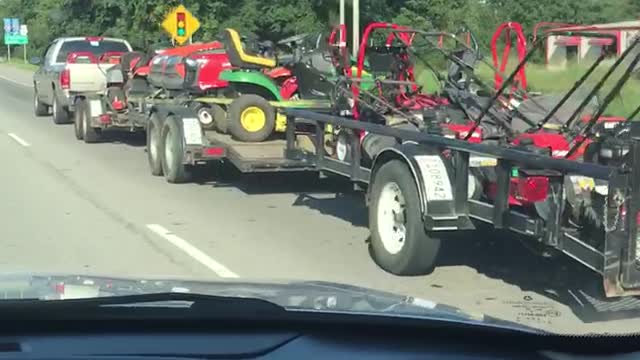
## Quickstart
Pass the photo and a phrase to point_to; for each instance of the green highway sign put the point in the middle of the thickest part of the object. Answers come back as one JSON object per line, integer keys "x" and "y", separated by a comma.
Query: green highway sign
{"x": 16, "y": 39}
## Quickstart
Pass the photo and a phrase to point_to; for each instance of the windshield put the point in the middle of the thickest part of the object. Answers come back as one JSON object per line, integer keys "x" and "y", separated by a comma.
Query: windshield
{"x": 96, "y": 47}
{"x": 460, "y": 178}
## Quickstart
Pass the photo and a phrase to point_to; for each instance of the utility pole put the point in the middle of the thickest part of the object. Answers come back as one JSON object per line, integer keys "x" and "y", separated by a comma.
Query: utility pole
{"x": 355, "y": 5}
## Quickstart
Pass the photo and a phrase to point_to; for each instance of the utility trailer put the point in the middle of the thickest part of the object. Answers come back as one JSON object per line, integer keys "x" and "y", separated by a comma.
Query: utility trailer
{"x": 177, "y": 144}
{"x": 425, "y": 186}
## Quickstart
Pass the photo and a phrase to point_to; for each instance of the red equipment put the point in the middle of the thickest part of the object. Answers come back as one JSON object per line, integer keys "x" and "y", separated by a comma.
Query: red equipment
{"x": 167, "y": 68}
{"x": 409, "y": 97}
{"x": 86, "y": 57}
{"x": 521, "y": 46}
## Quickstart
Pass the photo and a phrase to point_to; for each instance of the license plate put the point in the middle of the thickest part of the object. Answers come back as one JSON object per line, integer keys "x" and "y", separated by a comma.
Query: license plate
{"x": 436, "y": 179}
{"x": 96, "y": 108}
{"x": 192, "y": 131}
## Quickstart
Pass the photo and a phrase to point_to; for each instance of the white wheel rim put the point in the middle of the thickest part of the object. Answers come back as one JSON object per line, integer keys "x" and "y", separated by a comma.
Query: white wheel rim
{"x": 168, "y": 150}
{"x": 341, "y": 148}
{"x": 35, "y": 100}
{"x": 205, "y": 117}
{"x": 55, "y": 107}
{"x": 391, "y": 218}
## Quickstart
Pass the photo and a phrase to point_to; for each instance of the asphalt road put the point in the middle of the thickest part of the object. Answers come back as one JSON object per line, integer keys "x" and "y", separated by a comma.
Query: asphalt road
{"x": 94, "y": 209}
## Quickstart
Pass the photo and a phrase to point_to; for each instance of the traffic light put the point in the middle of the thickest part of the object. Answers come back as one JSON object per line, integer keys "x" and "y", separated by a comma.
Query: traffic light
{"x": 181, "y": 23}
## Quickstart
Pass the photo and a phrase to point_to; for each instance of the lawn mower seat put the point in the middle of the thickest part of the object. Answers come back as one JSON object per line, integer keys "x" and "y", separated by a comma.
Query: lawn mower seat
{"x": 239, "y": 57}
{"x": 381, "y": 59}
{"x": 312, "y": 84}
{"x": 456, "y": 73}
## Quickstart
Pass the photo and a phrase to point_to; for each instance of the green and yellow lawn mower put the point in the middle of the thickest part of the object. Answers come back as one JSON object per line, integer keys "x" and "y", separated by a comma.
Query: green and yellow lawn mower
{"x": 259, "y": 87}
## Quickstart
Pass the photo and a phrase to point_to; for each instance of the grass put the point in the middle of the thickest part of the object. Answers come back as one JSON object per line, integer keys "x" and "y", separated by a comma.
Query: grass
{"x": 558, "y": 81}
{"x": 20, "y": 64}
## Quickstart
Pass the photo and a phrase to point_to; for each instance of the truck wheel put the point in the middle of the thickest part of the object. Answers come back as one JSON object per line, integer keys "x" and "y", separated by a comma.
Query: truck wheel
{"x": 399, "y": 243}
{"x": 78, "y": 118}
{"x": 90, "y": 134}
{"x": 153, "y": 145}
{"x": 173, "y": 151}
{"x": 39, "y": 108}
{"x": 60, "y": 114}
{"x": 251, "y": 118}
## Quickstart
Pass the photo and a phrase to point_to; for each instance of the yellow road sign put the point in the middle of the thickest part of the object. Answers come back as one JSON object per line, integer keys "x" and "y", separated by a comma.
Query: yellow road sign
{"x": 180, "y": 24}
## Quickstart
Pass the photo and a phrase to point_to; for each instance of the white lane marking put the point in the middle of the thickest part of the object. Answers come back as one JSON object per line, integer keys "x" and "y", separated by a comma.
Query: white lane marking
{"x": 192, "y": 251}
{"x": 14, "y": 81}
{"x": 18, "y": 140}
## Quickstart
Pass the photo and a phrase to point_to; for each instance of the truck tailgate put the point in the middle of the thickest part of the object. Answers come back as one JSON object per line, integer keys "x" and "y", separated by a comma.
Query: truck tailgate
{"x": 88, "y": 77}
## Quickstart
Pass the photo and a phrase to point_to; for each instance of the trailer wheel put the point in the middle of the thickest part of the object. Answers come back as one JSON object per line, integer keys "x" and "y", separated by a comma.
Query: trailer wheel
{"x": 154, "y": 147}
{"x": 90, "y": 134}
{"x": 399, "y": 242}
{"x": 173, "y": 151}
{"x": 343, "y": 145}
{"x": 251, "y": 118}
{"x": 78, "y": 118}
{"x": 60, "y": 114}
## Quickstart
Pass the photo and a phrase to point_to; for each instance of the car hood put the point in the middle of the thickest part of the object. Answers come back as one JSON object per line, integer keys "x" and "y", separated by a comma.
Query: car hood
{"x": 291, "y": 295}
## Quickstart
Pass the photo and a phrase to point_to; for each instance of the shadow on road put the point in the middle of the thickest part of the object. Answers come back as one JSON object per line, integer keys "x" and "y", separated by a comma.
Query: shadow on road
{"x": 499, "y": 256}
{"x": 332, "y": 196}
{"x": 136, "y": 139}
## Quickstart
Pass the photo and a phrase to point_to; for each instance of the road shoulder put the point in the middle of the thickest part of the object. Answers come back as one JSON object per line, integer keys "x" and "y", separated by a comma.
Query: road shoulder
{"x": 16, "y": 74}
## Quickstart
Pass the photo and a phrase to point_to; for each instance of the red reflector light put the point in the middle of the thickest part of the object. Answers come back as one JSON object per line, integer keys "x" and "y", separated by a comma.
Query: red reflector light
{"x": 214, "y": 151}
{"x": 532, "y": 189}
{"x": 65, "y": 79}
{"x": 105, "y": 119}
{"x": 59, "y": 288}
{"x": 93, "y": 38}
{"x": 117, "y": 104}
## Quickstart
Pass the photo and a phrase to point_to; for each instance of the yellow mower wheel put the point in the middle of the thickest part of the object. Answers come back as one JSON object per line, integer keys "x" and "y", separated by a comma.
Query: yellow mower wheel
{"x": 251, "y": 118}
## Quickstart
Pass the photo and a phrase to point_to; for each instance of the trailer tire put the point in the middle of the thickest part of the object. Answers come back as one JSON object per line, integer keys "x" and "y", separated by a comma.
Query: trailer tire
{"x": 251, "y": 118}
{"x": 343, "y": 145}
{"x": 78, "y": 118}
{"x": 399, "y": 243}
{"x": 90, "y": 134}
{"x": 60, "y": 114}
{"x": 154, "y": 142}
{"x": 172, "y": 153}
{"x": 39, "y": 108}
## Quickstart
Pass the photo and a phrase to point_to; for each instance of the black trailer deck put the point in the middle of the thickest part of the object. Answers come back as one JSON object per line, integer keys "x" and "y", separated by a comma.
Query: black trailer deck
{"x": 266, "y": 156}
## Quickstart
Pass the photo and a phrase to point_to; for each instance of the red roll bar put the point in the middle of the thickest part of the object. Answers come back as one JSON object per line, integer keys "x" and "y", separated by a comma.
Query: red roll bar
{"x": 521, "y": 47}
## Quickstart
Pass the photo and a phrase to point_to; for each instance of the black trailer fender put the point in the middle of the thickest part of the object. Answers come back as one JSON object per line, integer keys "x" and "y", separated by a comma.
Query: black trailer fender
{"x": 425, "y": 164}
{"x": 435, "y": 180}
